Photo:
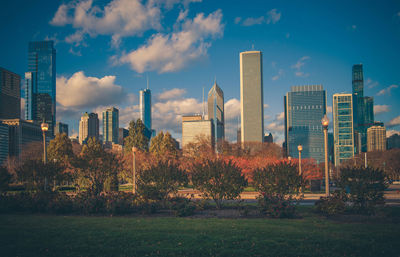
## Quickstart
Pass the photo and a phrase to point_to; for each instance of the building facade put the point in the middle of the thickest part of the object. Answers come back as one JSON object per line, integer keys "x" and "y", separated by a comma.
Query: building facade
{"x": 21, "y": 134}
{"x": 145, "y": 107}
{"x": 61, "y": 128}
{"x": 122, "y": 134}
{"x": 343, "y": 130}
{"x": 194, "y": 127}
{"x": 251, "y": 97}
{"x": 376, "y": 138}
{"x": 10, "y": 96}
{"x": 393, "y": 141}
{"x": 4, "y": 141}
{"x": 305, "y": 107}
{"x": 111, "y": 125}
{"x": 88, "y": 127}
{"x": 215, "y": 104}
{"x": 40, "y": 83}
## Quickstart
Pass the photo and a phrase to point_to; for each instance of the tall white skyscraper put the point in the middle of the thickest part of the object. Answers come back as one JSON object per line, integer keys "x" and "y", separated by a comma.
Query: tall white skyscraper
{"x": 88, "y": 127}
{"x": 251, "y": 97}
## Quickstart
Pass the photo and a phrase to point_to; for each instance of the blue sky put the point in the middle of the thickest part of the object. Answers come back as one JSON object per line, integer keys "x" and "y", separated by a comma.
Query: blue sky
{"x": 107, "y": 49}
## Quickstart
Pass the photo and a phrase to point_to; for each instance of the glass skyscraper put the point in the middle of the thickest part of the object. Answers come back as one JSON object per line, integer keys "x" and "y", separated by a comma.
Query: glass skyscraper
{"x": 363, "y": 108}
{"x": 343, "y": 130}
{"x": 111, "y": 125}
{"x": 145, "y": 107}
{"x": 40, "y": 83}
{"x": 215, "y": 103}
{"x": 10, "y": 98}
{"x": 304, "y": 108}
{"x": 88, "y": 127}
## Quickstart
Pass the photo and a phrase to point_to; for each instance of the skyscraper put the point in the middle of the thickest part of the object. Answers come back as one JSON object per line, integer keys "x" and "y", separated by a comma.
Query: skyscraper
{"x": 10, "y": 98}
{"x": 305, "y": 106}
{"x": 363, "y": 108}
{"x": 251, "y": 97}
{"x": 111, "y": 125}
{"x": 145, "y": 107}
{"x": 343, "y": 130}
{"x": 61, "y": 128}
{"x": 88, "y": 127}
{"x": 40, "y": 83}
{"x": 195, "y": 127}
{"x": 4, "y": 141}
{"x": 376, "y": 138}
{"x": 216, "y": 111}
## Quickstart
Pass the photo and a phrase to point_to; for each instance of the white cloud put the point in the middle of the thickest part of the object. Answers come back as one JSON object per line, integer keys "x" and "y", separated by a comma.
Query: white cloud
{"x": 171, "y": 52}
{"x": 387, "y": 91}
{"x": 381, "y": 108}
{"x": 80, "y": 91}
{"x": 232, "y": 109}
{"x": 276, "y": 77}
{"x": 299, "y": 65}
{"x": 370, "y": 83}
{"x": 394, "y": 122}
{"x": 392, "y": 132}
{"x": 277, "y": 124}
{"x": 272, "y": 17}
{"x": 266, "y": 106}
{"x": 172, "y": 94}
{"x": 119, "y": 18}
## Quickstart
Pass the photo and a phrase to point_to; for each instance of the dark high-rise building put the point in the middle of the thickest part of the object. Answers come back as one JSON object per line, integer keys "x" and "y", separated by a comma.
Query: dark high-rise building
{"x": 305, "y": 107}
{"x": 215, "y": 104}
{"x": 145, "y": 107}
{"x": 268, "y": 138}
{"x": 61, "y": 128}
{"x": 111, "y": 125}
{"x": 10, "y": 98}
{"x": 4, "y": 138}
{"x": 123, "y": 133}
{"x": 40, "y": 83}
{"x": 393, "y": 141}
{"x": 363, "y": 108}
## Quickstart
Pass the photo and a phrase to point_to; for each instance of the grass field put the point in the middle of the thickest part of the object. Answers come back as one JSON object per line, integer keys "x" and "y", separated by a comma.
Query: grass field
{"x": 46, "y": 235}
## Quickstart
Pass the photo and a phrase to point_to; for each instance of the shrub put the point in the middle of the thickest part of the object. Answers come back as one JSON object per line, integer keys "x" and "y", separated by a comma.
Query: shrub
{"x": 278, "y": 184}
{"x": 160, "y": 180}
{"x": 5, "y": 179}
{"x": 364, "y": 186}
{"x": 332, "y": 205}
{"x": 182, "y": 207}
{"x": 219, "y": 180}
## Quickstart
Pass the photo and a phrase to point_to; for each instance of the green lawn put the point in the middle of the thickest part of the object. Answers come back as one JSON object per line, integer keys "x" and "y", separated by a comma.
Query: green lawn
{"x": 46, "y": 235}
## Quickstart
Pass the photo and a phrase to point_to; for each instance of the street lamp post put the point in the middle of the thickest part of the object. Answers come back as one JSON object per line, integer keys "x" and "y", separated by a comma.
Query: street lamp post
{"x": 134, "y": 170}
{"x": 325, "y": 123}
{"x": 44, "y": 127}
{"x": 300, "y": 148}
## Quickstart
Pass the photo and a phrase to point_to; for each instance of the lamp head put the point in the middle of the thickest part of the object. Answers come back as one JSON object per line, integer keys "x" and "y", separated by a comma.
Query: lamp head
{"x": 44, "y": 126}
{"x": 134, "y": 149}
{"x": 300, "y": 148}
{"x": 325, "y": 121}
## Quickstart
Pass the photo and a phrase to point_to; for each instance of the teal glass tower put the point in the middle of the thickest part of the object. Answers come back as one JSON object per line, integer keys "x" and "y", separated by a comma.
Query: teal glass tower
{"x": 304, "y": 108}
{"x": 111, "y": 125}
{"x": 145, "y": 107}
{"x": 40, "y": 83}
{"x": 215, "y": 104}
{"x": 343, "y": 130}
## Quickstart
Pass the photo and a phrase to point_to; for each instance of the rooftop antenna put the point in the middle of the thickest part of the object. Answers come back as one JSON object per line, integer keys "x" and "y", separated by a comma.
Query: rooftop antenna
{"x": 215, "y": 79}
{"x": 252, "y": 46}
{"x": 147, "y": 81}
{"x": 203, "y": 104}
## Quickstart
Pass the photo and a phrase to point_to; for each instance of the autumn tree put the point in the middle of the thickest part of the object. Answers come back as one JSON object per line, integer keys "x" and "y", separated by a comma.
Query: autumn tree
{"x": 96, "y": 166}
{"x": 218, "y": 179}
{"x": 163, "y": 145}
{"x": 60, "y": 149}
{"x": 5, "y": 179}
{"x": 137, "y": 137}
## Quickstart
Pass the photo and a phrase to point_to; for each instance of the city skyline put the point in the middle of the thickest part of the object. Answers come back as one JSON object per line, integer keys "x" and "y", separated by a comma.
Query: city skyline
{"x": 90, "y": 59}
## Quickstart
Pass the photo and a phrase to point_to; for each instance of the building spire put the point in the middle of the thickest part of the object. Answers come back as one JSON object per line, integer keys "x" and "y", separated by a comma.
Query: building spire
{"x": 203, "y": 104}
{"x": 147, "y": 81}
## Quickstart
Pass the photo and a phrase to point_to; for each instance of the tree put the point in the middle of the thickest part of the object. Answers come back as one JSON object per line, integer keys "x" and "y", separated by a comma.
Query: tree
{"x": 137, "y": 137}
{"x": 5, "y": 179}
{"x": 218, "y": 179}
{"x": 163, "y": 145}
{"x": 60, "y": 149}
{"x": 95, "y": 166}
{"x": 161, "y": 180}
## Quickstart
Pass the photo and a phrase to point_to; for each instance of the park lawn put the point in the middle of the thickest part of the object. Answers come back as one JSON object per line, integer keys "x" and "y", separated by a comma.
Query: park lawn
{"x": 312, "y": 235}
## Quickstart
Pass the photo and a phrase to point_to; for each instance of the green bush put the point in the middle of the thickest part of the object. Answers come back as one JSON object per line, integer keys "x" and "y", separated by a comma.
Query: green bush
{"x": 278, "y": 185}
{"x": 5, "y": 179}
{"x": 182, "y": 207}
{"x": 160, "y": 181}
{"x": 364, "y": 187}
{"x": 332, "y": 205}
{"x": 219, "y": 180}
